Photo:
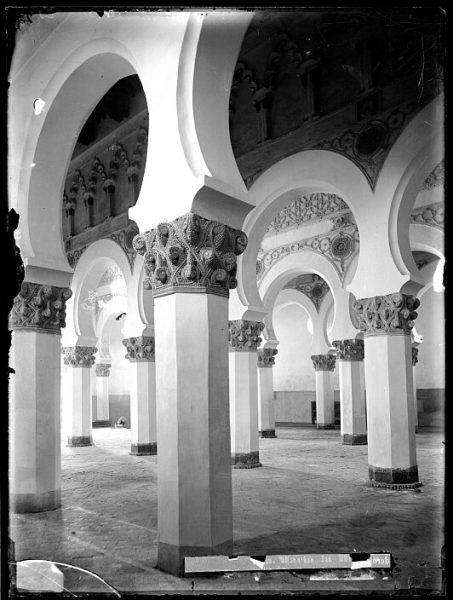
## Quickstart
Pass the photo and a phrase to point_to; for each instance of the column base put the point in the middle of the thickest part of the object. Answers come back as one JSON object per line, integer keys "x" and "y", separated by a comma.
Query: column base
{"x": 359, "y": 439}
{"x": 325, "y": 426}
{"x": 100, "y": 424}
{"x": 170, "y": 558}
{"x": 267, "y": 433}
{"x": 80, "y": 440}
{"x": 248, "y": 460}
{"x": 143, "y": 449}
{"x": 31, "y": 503}
{"x": 394, "y": 479}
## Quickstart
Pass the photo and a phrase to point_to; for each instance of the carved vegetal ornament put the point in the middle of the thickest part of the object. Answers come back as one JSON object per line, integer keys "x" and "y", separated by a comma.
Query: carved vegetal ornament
{"x": 40, "y": 307}
{"x": 323, "y": 362}
{"x": 349, "y": 349}
{"x": 392, "y": 314}
{"x": 244, "y": 335}
{"x": 140, "y": 349}
{"x": 414, "y": 356}
{"x": 103, "y": 369}
{"x": 191, "y": 254}
{"x": 266, "y": 357}
{"x": 79, "y": 356}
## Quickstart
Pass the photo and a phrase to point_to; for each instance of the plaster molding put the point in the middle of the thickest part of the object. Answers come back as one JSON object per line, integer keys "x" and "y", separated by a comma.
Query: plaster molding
{"x": 266, "y": 357}
{"x": 244, "y": 335}
{"x": 140, "y": 349}
{"x": 79, "y": 356}
{"x": 350, "y": 350}
{"x": 431, "y": 214}
{"x": 190, "y": 254}
{"x": 40, "y": 307}
{"x": 103, "y": 369}
{"x": 323, "y": 362}
{"x": 394, "y": 313}
{"x": 414, "y": 356}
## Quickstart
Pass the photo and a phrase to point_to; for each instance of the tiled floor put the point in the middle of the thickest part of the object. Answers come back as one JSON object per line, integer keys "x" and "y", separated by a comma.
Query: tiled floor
{"x": 310, "y": 496}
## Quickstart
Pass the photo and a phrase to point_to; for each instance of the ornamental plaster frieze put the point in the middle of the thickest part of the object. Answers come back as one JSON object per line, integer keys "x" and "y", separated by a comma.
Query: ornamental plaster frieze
{"x": 103, "y": 370}
{"x": 349, "y": 350}
{"x": 191, "y": 254}
{"x": 414, "y": 356}
{"x": 315, "y": 290}
{"x": 244, "y": 336}
{"x": 323, "y": 362}
{"x": 39, "y": 307}
{"x": 79, "y": 356}
{"x": 392, "y": 314}
{"x": 140, "y": 349}
{"x": 266, "y": 357}
{"x": 431, "y": 214}
{"x": 436, "y": 178}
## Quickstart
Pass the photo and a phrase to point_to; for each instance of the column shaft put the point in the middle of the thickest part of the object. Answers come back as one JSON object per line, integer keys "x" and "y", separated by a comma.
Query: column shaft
{"x": 143, "y": 407}
{"x": 79, "y": 391}
{"x": 266, "y": 415}
{"x": 325, "y": 406}
{"x": 102, "y": 402}
{"x": 352, "y": 402}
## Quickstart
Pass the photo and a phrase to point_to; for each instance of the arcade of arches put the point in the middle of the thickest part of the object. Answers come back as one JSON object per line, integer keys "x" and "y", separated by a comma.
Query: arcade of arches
{"x": 230, "y": 223}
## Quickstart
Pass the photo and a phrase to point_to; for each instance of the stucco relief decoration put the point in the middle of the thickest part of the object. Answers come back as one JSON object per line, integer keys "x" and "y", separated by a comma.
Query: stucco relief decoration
{"x": 113, "y": 273}
{"x": 103, "y": 370}
{"x": 414, "y": 356}
{"x": 266, "y": 357}
{"x": 191, "y": 253}
{"x": 313, "y": 286}
{"x": 244, "y": 335}
{"x": 350, "y": 349}
{"x": 41, "y": 307}
{"x": 140, "y": 349}
{"x": 432, "y": 215}
{"x": 79, "y": 356}
{"x": 436, "y": 178}
{"x": 323, "y": 362}
{"x": 394, "y": 313}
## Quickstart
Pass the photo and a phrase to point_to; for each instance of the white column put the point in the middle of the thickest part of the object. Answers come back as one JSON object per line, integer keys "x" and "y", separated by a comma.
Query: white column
{"x": 324, "y": 365}
{"x": 140, "y": 353}
{"x": 190, "y": 264}
{"x": 244, "y": 340}
{"x": 266, "y": 415}
{"x": 386, "y": 322}
{"x": 414, "y": 379}
{"x": 102, "y": 395}
{"x": 34, "y": 421}
{"x": 80, "y": 359}
{"x": 352, "y": 391}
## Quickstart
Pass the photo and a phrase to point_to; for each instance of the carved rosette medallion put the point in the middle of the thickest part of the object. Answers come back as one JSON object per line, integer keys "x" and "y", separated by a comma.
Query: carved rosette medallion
{"x": 414, "y": 356}
{"x": 40, "y": 308}
{"x": 266, "y": 357}
{"x": 79, "y": 356}
{"x": 392, "y": 314}
{"x": 349, "y": 349}
{"x": 191, "y": 254}
{"x": 323, "y": 362}
{"x": 140, "y": 349}
{"x": 103, "y": 370}
{"x": 244, "y": 336}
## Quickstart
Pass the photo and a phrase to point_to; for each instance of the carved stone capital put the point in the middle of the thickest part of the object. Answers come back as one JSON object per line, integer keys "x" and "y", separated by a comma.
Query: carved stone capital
{"x": 190, "y": 254}
{"x": 39, "y": 307}
{"x": 244, "y": 335}
{"x": 414, "y": 356}
{"x": 79, "y": 356}
{"x": 103, "y": 370}
{"x": 392, "y": 314}
{"x": 323, "y": 362}
{"x": 266, "y": 357}
{"x": 140, "y": 349}
{"x": 349, "y": 349}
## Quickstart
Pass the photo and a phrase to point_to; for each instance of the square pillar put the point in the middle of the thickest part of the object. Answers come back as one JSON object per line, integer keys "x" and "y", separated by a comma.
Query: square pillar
{"x": 190, "y": 265}
{"x": 102, "y": 395}
{"x": 324, "y": 365}
{"x": 140, "y": 353}
{"x": 386, "y": 322}
{"x": 36, "y": 319}
{"x": 244, "y": 340}
{"x": 266, "y": 414}
{"x": 350, "y": 355}
{"x": 80, "y": 359}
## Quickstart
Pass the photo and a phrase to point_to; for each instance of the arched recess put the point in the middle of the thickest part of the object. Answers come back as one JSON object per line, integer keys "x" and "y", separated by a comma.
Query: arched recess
{"x": 414, "y": 155}
{"x": 298, "y": 175}
{"x": 73, "y": 89}
{"x": 97, "y": 258}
